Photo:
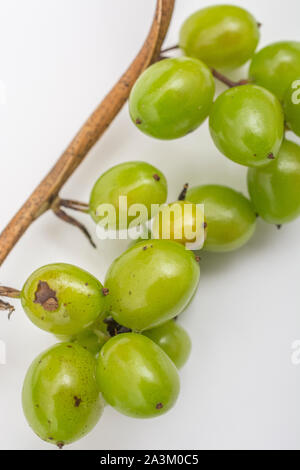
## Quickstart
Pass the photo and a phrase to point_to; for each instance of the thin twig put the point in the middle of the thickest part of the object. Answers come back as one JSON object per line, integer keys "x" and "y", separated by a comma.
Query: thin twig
{"x": 169, "y": 49}
{"x": 42, "y": 198}
{"x": 218, "y": 75}
{"x": 9, "y": 292}
{"x": 227, "y": 81}
{"x": 72, "y": 221}
{"x": 162, "y": 57}
{"x": 182, "y": 195}
{"x": 4, "y": 306}
{"x": 75, "y": 205}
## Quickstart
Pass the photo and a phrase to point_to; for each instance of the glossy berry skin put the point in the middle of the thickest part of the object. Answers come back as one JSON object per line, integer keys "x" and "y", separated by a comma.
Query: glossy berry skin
{"x": 223, "y": 36}
{"x": 151, "y": 283}
{"x": 91, "y": 340}
{"x": 61, "y": 399}
{"x": 147, "y": 235}
{"x": 136, "y": 377}
{"x": 174, "y": 340}
{"x": 94, "y": 337}
{"x": 140, "y": 182}
{"x": 181, "y": 221}
{"x": 292, "y": 107}
{"x": 276, "y": 66}
{"x": 231, "y": 219}
{"x": 247, "y": 125}
{"x": 172, "y": 98}
{"x": 62, "y": 299}
{"x": 275, "y": 190}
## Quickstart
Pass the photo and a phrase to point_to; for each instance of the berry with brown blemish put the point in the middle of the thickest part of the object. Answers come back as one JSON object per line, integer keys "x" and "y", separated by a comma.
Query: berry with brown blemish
{"x": 46, "y": 297}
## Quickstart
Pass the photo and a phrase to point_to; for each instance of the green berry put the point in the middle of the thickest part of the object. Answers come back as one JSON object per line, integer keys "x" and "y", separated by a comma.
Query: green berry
{"x": 276, "y": 66}
{"x": 136, "y": 377}
{"x": 223, "y": 36}
{"x": 174, "y": 340}
{"x": 247, "y": 125}
{"x": 172, "y": 98}
{"x": 139, "y": 182}
{"x": 91, "y": 340}
{"x": 61, "y": 399}
{"x": 151, "y": 283}
{"x": 62, "y": 299}
{"x": 181, "y": 221}
{"x": 275, "y": 190}
{"x": 292, "y": 107}
{"x": 230, "y": 217}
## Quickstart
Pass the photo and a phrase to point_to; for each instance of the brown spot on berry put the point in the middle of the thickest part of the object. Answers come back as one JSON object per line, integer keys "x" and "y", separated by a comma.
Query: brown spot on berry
{"x": 271, "y": 156}
{"x": 145, "y": 248}
{"x": 159, "y": 406}
{"x": 77, "y": 402}
{"x": 60, "y": 445}
{"x": 105, "y": 292}
{"x": 198, "y": 259}
{"x": 205, "y": 225}
{"x": 156, "y": 177}
{"x": 138, "y": 121}
{"x": 46, "y": 297}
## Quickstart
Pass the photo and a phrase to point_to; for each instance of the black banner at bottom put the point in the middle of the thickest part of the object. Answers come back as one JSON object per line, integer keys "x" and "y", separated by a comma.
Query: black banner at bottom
{"x": 125, "y": 458}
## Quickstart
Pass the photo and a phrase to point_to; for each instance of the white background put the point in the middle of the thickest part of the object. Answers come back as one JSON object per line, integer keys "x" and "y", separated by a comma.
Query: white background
{"x": 58, "y": 58}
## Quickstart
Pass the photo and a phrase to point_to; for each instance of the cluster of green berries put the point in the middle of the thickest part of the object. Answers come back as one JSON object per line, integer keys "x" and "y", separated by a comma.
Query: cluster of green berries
{"x": 120, "y": 342}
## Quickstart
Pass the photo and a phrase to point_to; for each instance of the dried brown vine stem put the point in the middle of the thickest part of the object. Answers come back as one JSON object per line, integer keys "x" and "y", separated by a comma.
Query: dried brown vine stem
{"x": 45, "y": 194}
{"x": 9, "y": 292}
{"x": 12, "y": 294}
